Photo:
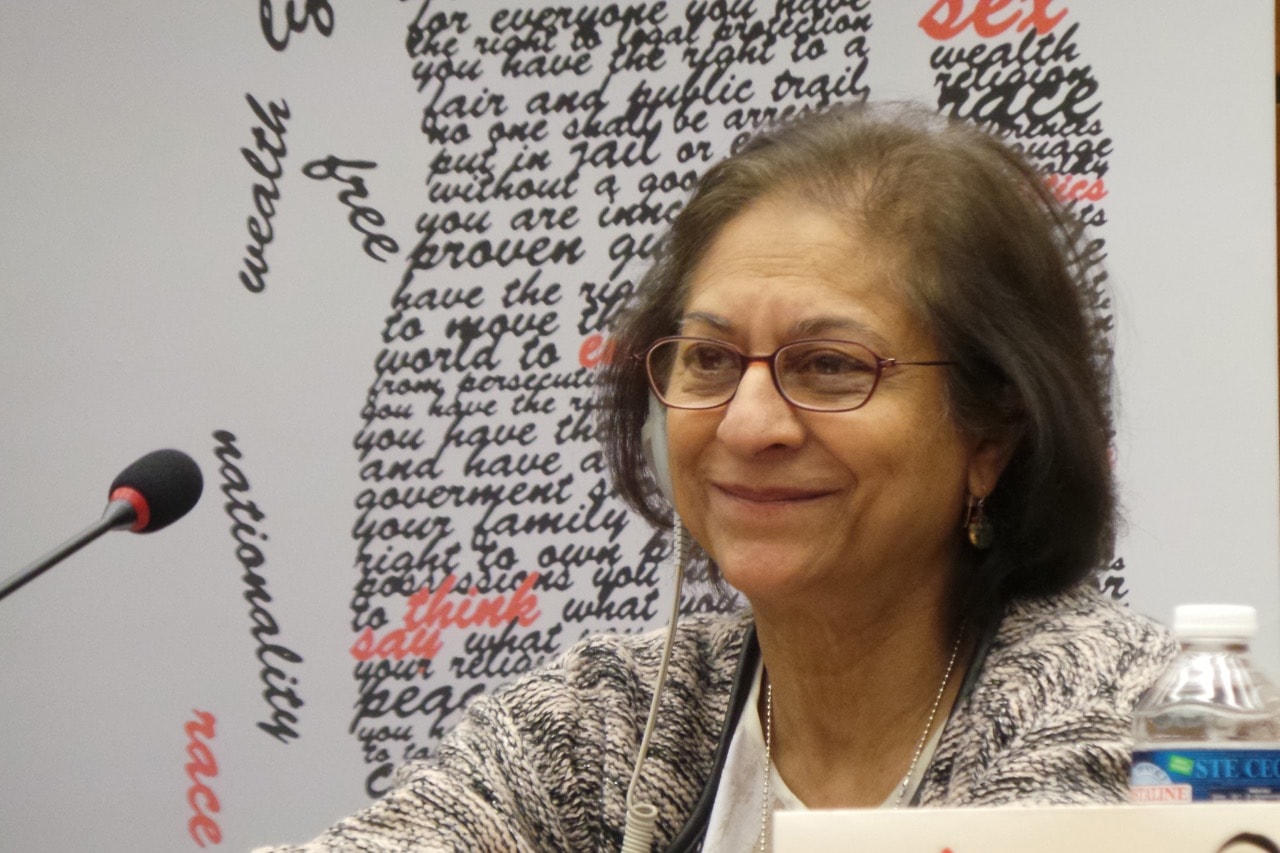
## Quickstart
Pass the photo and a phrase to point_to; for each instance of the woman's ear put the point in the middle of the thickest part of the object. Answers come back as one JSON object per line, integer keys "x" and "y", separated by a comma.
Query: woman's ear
{"x": 987, "y": 462}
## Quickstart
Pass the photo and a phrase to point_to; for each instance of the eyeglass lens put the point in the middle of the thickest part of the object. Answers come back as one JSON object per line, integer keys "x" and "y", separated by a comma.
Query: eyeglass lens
{"x": 702, "y": 374}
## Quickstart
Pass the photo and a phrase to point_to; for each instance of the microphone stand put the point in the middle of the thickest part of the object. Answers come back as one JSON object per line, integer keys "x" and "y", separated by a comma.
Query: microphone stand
{"x": 118, "y": 513}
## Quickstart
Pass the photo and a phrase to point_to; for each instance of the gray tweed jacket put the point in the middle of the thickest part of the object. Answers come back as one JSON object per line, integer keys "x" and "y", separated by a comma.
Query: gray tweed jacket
{"x": 543, "y": 764}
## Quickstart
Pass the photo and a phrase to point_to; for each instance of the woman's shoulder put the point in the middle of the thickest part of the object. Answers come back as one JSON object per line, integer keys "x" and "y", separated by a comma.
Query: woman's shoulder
{"x": 1047, "y": 716}
{"x": 704, "y": 652}
{"x": 1077, "y": 642}
{"x": 1083, "y": 619}
{"x": 702, "y": 641}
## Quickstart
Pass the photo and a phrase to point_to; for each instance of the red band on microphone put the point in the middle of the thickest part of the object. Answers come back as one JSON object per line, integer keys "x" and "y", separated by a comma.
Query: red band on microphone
{"x": 139, "y": 504}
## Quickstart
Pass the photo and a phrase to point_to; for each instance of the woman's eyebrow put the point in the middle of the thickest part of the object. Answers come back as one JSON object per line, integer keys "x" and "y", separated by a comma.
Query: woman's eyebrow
{"x": 715, "y": 321}
{"x": 844, "y": 327}
{"x": 816, "y": 326}
{"x": 812, "y": 327}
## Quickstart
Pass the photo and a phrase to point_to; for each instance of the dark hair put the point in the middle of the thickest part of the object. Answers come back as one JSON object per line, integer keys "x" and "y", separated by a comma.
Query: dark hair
{"x": 988, "y": 261}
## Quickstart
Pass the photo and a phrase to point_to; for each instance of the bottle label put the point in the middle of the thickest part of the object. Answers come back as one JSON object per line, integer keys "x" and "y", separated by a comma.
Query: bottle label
{"x": 1195, "y": 775}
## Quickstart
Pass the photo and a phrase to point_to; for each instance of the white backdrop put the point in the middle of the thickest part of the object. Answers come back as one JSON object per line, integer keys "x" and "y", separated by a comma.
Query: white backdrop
{"x": 285, "y": 249}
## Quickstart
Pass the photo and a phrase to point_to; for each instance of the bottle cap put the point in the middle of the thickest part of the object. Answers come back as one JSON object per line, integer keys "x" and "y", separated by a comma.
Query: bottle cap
{"x": 1214, "y": 622}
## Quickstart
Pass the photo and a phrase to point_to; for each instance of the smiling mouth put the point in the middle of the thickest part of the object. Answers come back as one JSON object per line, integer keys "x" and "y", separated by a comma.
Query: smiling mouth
{"x": 757, "y": 495}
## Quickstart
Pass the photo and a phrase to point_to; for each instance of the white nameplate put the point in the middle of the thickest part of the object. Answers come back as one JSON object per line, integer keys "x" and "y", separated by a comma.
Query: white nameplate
{"x": 1196, "y": 828}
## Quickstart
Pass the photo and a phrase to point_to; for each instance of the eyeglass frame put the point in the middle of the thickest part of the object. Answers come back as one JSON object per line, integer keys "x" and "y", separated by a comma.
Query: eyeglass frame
{"x": 745, "y": 361}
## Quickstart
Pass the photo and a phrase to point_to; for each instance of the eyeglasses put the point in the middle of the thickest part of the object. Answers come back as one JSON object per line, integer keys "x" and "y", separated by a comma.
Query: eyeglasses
{"x": 817, "y": 375}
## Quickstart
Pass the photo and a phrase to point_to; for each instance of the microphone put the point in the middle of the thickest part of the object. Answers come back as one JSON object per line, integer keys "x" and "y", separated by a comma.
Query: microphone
{"x": 150, "y": 494}
{"x": 161, "y": 488}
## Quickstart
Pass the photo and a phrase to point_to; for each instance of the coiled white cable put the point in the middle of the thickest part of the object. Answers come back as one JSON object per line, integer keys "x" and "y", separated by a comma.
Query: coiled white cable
{"x": 637, "y": 836}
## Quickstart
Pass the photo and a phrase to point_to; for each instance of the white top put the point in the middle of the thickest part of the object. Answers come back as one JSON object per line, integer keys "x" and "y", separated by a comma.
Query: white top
{"x": 1223, "y": 622}
{"x": 734, "y": 825}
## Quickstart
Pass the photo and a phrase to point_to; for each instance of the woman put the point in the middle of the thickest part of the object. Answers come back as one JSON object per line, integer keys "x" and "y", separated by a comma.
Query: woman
{"x": 884, "y": 404}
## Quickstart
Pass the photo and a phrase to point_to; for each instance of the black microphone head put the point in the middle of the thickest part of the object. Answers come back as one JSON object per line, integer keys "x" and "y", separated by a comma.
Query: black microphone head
{"x": 170, "y": 483}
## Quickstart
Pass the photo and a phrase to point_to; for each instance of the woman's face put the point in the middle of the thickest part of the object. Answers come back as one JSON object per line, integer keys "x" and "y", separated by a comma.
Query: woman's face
{"x": 792, "y": 503}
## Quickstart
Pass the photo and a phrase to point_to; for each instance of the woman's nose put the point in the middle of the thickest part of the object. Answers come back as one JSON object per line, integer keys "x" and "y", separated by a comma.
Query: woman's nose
{"x": 758, "y": 416}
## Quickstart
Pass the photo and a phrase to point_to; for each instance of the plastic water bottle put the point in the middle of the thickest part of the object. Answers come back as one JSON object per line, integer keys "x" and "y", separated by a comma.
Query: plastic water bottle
{"x": 1209, "y": 728}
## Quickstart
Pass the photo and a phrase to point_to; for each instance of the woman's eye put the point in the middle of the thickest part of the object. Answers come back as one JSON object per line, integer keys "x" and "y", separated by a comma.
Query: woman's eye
{"x": 829, "y": 362}
{"x": 710, "y": 359}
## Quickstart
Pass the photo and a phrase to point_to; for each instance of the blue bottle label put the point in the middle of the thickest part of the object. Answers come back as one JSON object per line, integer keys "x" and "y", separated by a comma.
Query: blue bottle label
{"x": 1195, "y": 775}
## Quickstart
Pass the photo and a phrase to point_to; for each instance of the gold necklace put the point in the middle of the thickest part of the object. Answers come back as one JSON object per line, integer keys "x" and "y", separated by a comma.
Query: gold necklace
{"x": 766, "y": 811}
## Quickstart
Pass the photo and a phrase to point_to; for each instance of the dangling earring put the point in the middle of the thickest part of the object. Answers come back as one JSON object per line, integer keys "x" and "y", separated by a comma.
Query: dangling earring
{"x": 977, "y": 526}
